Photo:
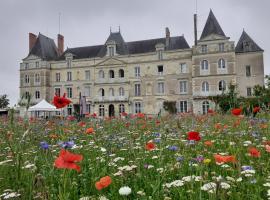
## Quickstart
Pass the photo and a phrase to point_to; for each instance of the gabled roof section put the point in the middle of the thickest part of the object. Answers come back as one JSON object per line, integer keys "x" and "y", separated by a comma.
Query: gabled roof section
{"x": 44, "y": 48}
{"x": 82, "y": 52}
{"x": 246, "y": 44}
{"x": 121, "y": 47}
{"x": 212, "y": 27}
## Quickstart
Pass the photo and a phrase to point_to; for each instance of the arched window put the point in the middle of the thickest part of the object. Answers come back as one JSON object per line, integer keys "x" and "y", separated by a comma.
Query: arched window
{"x": 111, "y": 74}
{"x": 121, "y": 92}
{"x": 205, "y": 86}
{"x": 205, "y": 107}
{"x": 101, "y": 111}
{"x": 221, "y": 63}
{"x": 204, "y": 65}
{"x": 101, "y": 74}
{"x": 111, "y": 92}
{"x": 121, "y": 108}
{"x": 121, "y": 73}
{"x": 101, "y": 92}
{"x": 222, "y": 85}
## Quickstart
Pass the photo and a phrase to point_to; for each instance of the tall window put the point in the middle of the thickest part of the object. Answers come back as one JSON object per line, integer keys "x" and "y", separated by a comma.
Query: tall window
{"x": 249, "y": 91}
{"x": 69, "y": 63}
{"x": 205, "y": 86}
{"x": 221, "y": 47}
{"x": 69, "y": 109}
{"x": 221, "y": 63}
{"x": 111, "y": 51}
{"x": 27, "y": 95}
{"x": 111, "y": 74}
{"x": 26, "y": 79}
{"x": 121, "y": 73}
{"x": 205, "y": 107}
{"x": 111, "y": 92}
{"x": 222, "y": 85}
{"x": 183, "y": 68}
{"x": 121, "y": 92}
{"x": 248, "y": 71}
{"x": 57, "y": 77}
{"x": 160, "y": 69}
{"x": 26, "y": 66}
{"x": 137, "y": 89}
{"x": 37, "y": 64}
{"x": 101, "y": 92}
{"x": 37, "y": 94}
{"x": 161, "y": 88}
{"x": 160, "y": 54}
{"x": 87, "y": 91}
{"x": 101, "y": 110}
{"x": 183, "y": 106}
{"x": 138, "y": 107}
{"x": 121, "y": 108}
{"x": 87, "y": 75}
{"x": 204, "y": 48}
{"x": 204, "y": 65}
{"x": 137, "y": 71}
{"x": 69, "y": 76}
{"x": 183, "y": 87}
{"x": 37, "y": 78}
{"x": 88, "y": 108}
{"x": 57, "y": 91}
{"x": 69, "y": 92}
{"x": 101, "y": 74}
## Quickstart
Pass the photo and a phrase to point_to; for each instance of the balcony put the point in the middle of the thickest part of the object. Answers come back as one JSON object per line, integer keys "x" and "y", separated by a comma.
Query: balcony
{"x": 111, "y": 99}
{"x": 111, "y": 80}
{"x": 205, "y": 94}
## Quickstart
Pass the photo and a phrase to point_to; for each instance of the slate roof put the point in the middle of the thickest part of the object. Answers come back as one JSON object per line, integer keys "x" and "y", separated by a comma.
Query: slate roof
{"x": 212, "y": 26}
{"x": 246, "y": 44}
{"x": 44, "y": 48}
{"x": 125, "y": 48}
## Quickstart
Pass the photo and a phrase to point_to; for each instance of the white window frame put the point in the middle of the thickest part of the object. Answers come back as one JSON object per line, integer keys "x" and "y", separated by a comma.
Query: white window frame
{"x": 121, "y": 92}
{"x": 222, "y": 85}
{"x": 204, "y": 48}
{"x": 161, "y": 88}
{"x": 56, "y": 91}
{"x": 183, "y": 87}
{"x": 138, "y": 107}
{"x": 101, "y": 74}
{"x": 249, "y": 88}
{"x": 87, "y": 91}
{"x": 26, "y": 79}
{"x": 37, "y": 94}
{"x": 205, "y": 107}
{"x": 183, "y": 68}
{"x": 87, "y": 75}
{"x": 205, "y": 87}
{"x": 69, "y": 76}
{"x": 221, "y": 47}
{"x": 57, "y": 77}
{"x": 137, "y": 71}
{"x": 69, "y": 92}
{"x": 183, "y": 106}
{"x": 137, "y": 89}
{"x": 121, "y": 108}
{"x": 37, "y": 78}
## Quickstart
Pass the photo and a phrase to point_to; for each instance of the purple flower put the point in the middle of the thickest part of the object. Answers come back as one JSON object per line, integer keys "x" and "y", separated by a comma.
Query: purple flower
{"x": 199, "y": 158}
{"x": 44, "y": 145}
{"x": 180, "y": 159}
{"x": 68, "y": 144}
{"x": 244, "y": 168}
{"x": 173, "y": 148}
{"x": 156, "y": 140}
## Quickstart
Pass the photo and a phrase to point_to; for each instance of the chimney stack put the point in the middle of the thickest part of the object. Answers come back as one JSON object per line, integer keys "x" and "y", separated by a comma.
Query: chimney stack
{"x": 32, "y": 40}
{"x": 167, "y": 37}
{"x": 60, "y": 44}
{"x": 195, "y": 30}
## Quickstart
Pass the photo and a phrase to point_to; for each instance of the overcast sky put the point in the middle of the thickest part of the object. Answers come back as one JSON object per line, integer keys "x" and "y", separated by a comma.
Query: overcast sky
{"x": 87, "y": 22}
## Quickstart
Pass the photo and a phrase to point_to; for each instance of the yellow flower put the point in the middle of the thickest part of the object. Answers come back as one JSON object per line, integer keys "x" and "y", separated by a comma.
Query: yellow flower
{"x": 206, "y": 161}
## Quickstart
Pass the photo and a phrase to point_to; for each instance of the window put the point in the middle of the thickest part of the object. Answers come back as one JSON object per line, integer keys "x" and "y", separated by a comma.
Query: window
{"x": 57, "y": 77}
{"x": 37, "y": 78}
{"x": 160, "y": 69}
{"x": 121, "y": 108}
{"x": 87, "y": 91}
{"x": 183, "y": 87}
{"x": 57, "y": 91}
{"x": 249, "y": 91}
{"x": 69, "y": 109}
{"x": 204, "y": 65}
{"x": 69, "y": 92}
{"x": 137, "y": 72}
{"x": 246, "y": 46}
{"x": 69, "y": 76}
{"x": 248, "y": 71}
{"x": 87, "y": 75}
{"x": 205, "y": 86}
{"x": 221, "y": 47}
{"x": 88, "y": 108}
{"x": 26, "y": 66}
{"x": 121, "y": 73}
{"x": 121, "y": 92}
{"x": 161, "y": 88}
{"x": 205, "y": 107}
{"x": 37, "y": 64}
{"x": 37, "y": 94}
{"x": 111, "y": 92}
{"x": 111, "y": 74}
{"x": 204, "y": 48}
{"x": 27, "y": 95}
{"x": 111, "y": 51}
{"x": 183, "y": 68}
{"x": 221, "y": 63}
{"x": 101, "y": 74}
{"x": 101, "y": 92}
{"x": 160, "y": 54}
{"x": 137, "y": 89}
{"x": 69, "y": 63}
{"x": 137, "y": 107}
{"x": 101, "y": 111}
{"x": 26, "y": 79}
{"x": 222, "y": 85}
{"x": 183, "y": 107}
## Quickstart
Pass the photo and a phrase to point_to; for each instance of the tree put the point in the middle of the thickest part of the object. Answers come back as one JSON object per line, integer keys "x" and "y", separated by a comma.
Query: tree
{"x": 4, "y": 101}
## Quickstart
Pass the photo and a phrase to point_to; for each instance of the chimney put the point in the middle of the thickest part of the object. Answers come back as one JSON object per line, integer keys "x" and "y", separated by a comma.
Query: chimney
{"x": 60, "y": 44}
{"x": 195, "y": 30}
{"x": 167, "y": 37}
{"x": 32, "y": 40}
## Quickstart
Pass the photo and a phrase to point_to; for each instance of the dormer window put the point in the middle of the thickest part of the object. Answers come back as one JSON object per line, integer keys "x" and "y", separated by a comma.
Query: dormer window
{"x": 204, "y": 48}
{"x": 111, "y": 48}
{"x": 68, "y": 63}
{"x": 26, "y": 65}
{"x": 160, "y": 49}
{"x": 246, "y": 46}
{"x": 111, "y": 51}
{"x": 160, "y": 54}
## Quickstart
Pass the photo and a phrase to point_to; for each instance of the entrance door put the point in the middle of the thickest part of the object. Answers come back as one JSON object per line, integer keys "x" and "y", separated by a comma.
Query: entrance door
{"x": 111, "y": 110}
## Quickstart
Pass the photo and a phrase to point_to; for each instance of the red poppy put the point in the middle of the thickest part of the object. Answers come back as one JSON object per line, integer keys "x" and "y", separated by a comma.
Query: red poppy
{"x": 90, "y": 130}
{"x": 140, "y": 115}
{"x": 103, "y": 182}
{"x": 224, "y": 159}
{"x": 193, "y": 135}
{"x": 256, "y": 109}
{"x": 208, "y": 143}
{"x": 127, "y": 124}
{"x": 210, "y": 111}
{"x": 150, "y": 146}
{"x": 124, "y": 114}
{"x": 254, "y": 152}
{"x": 68, "y": 160}
{"x": 236, "y": 111}
{"x": 61, "y": 102}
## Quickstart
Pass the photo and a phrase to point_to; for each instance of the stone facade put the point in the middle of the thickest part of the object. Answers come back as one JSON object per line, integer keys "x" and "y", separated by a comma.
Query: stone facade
{"x": 139, "y": 76}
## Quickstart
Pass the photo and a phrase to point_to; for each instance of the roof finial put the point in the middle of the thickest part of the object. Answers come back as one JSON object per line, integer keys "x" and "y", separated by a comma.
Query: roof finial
{"x": 110, "y": 29}
{"x": 119, "y": 30}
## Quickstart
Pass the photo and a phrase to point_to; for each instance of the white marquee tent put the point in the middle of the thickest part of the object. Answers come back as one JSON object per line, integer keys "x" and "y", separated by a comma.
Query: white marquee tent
{"x": 42, "y": 106}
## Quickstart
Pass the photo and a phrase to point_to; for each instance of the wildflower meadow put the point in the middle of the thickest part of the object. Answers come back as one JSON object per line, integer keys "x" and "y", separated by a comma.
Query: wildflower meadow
{"x": 133, "y": 157}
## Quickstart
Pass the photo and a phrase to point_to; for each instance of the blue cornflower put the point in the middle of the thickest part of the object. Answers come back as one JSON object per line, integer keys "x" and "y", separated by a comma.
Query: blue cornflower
{"x": 244, "y": 168}
{"x": 173, "y": 148}
{"x": 44, "y": 145}
{"x": 180, "y": 159}
{"x": 157, "y": 140}
{"x": 68, "y": 144}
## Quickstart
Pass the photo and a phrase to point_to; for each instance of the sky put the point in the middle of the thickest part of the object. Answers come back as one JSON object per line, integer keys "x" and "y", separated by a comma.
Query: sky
{"x": 88, "y": 22}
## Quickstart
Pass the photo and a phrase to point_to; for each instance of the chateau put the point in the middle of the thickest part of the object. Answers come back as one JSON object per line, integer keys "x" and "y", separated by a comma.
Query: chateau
{"x": 138, "y": 76}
